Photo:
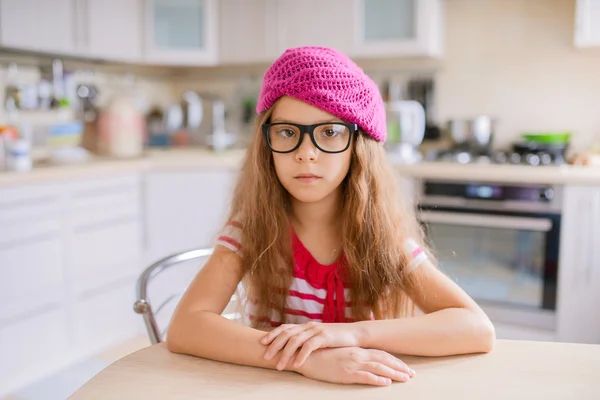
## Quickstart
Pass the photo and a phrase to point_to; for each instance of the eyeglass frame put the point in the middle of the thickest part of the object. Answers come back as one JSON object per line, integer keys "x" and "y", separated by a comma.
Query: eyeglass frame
{"x": 310, "y": 129}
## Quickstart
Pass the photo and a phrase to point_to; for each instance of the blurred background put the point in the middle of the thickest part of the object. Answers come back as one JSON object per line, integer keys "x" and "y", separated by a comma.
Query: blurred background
{"x": 123, "y": 124}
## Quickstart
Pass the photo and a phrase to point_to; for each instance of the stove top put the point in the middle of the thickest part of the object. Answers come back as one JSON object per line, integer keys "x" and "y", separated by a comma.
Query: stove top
{"x": 534, "y": 159}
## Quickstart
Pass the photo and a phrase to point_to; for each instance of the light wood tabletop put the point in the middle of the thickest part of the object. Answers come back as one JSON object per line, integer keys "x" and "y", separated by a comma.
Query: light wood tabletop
{"x": 513, "y": 370}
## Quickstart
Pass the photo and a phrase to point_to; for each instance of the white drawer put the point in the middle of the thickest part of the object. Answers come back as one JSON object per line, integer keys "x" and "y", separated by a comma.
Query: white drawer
{"x": 105, "y": 254}
{"x": 105, "y": 200}
{"x": 29, "y": 211}
{"x": 31, "y": 276}
{"x": 39, "y": 339}
{"x": 21, "y": 232}
{"x": 14, "y": 200}
{"x": 106, "y": 318}
{"x": 91, "y": 186}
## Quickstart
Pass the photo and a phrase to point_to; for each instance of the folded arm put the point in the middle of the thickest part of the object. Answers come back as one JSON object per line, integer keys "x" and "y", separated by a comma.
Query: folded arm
{"x": 197, "y": 327}
{"x": 452, "y": 322}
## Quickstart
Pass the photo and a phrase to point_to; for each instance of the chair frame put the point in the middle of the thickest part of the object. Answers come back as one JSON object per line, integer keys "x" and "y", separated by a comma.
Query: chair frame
{"x": 142, "y": 304}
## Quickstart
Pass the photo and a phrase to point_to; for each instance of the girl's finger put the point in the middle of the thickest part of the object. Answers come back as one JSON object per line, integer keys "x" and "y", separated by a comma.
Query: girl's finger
{"x": 292, "y": 346}
{"x": 384, "y": 371}
{"x": 368, "y": 378}
{"x": 311, "y": 345}
{"x": 391, "y": 361}
{"x": 268, "y": 338}
{"x": 279, "y": 342}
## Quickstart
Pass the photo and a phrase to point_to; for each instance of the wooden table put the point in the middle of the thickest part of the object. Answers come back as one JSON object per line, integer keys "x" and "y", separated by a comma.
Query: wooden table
{"x": 513, "y": 370}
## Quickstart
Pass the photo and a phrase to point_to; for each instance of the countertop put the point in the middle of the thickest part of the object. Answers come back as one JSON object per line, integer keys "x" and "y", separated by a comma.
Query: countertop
{"x": 513, "y": 370}
{"x": 182, "y": 159}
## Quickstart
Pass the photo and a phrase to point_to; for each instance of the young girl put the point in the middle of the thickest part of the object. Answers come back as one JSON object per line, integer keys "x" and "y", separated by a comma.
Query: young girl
{"x": 330, "y": 259}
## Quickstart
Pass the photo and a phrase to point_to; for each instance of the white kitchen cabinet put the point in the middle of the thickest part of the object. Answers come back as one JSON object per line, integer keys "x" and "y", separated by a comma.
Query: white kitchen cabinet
{"x": 393, "y": 28}
{"x": 70, "y": 254}
{"x": 587, "y": 23}
{"x": 246, "y": 31}
{"x": 31, "y": 249}
{"x": 111, "y": 29}
{"x": 362, "y": 28}
{"x": 39, "y": 25}
{"x": 578, "y": 299}
{"x": 184, "y": 210}
{"x": 313, "y": 23}
{"x": 181, "y": 32}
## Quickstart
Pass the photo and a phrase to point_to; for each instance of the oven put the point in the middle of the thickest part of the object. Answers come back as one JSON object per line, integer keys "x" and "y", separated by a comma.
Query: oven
{"x": 499, "y": 243}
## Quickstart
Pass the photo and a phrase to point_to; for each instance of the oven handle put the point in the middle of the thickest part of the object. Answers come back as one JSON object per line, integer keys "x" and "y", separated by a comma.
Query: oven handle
{"x": 487, "y": 221}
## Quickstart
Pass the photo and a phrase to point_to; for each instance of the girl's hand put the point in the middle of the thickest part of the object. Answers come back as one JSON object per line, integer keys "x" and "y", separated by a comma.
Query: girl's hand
{"x": 355, "y": 365}
{"x": 288, "y": 338}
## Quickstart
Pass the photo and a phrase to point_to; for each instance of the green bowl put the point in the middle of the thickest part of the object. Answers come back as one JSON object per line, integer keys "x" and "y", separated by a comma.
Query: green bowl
{"x": 548, "y": 137}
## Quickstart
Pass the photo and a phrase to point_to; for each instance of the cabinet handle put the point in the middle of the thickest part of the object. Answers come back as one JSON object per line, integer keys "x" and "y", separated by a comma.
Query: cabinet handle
{"x": 596, "y": 230}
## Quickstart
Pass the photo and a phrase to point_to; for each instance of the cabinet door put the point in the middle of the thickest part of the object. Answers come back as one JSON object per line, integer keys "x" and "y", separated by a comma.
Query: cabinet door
{"x": 578, "y": 308}
{"x": 40, "y": 25}
{"x": 181, "y": 32}
{"x": 314, "y": 23}
{"x": 112, "y": 29}
{"x": 184, "y": 210}
{"x": 397, "y": 28}
{"x": 587, "y": 23}
{"x": 104, "y": 231}
{"x": 246, "y": 31}
{"x": 32, "y": 249}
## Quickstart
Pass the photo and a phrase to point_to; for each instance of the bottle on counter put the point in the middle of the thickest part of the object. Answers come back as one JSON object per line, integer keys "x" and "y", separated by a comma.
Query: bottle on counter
{"x": 121, "y": 126}
{"x": 18, "y": 151}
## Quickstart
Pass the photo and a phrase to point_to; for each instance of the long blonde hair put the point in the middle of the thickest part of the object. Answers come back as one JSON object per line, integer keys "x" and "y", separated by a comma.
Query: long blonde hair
{"x": 376, "y": 221}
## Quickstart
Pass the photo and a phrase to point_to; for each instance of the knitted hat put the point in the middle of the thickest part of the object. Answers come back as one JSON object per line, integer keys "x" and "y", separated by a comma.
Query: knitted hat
{"x": 329, "y": 80}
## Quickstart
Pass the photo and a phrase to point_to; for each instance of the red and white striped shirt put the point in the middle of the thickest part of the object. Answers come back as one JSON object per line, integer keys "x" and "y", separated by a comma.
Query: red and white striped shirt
{"x": 318, "y": 292}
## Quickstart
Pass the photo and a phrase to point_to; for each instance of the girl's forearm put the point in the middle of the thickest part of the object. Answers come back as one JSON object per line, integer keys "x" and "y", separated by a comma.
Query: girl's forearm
{"x": 445, "y": 332}
{"x": 209, "y": 335}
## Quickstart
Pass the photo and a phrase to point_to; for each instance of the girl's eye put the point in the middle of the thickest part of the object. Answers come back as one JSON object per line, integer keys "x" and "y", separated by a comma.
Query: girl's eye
{"x": 287, "y": 133}
{"x": 331, "y": 131}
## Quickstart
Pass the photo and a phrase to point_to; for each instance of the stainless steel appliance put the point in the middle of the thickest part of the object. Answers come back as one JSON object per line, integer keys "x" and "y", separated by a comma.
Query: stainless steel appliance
{"x": 500, "y": 243}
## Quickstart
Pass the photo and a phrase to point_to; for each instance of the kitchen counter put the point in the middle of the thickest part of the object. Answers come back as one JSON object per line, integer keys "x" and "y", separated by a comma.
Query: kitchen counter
{"x": 566, "y": 174}
{"x": 182, "y": 159}
{"x": 178, "y": 159}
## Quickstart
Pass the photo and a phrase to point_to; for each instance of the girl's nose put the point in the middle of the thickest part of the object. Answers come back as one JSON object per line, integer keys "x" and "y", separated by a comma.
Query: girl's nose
{"x": 307, "y": 150}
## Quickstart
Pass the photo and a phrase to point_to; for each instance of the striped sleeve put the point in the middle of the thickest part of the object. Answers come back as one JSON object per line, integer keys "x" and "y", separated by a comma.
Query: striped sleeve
{"x": 416, "y": 253}
{"x": 231, "y": 236}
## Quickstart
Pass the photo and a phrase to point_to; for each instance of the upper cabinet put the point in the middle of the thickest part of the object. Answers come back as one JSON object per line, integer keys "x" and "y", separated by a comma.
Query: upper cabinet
{"x": 211, "y": 32}
{"x": 313, "y": 23}
{"x": 181, "y": 32}
{"x": 587, "y": 23}
{"x": 39, "y": 25}
{"x": 393, "y": 28}
{"x": 111, "y": 29}
{"x": 361, "y": 28}
{"x": 246, "y": 31}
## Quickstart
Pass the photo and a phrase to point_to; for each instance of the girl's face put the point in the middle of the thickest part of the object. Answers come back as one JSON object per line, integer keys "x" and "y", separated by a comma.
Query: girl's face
{"x": 308, "y": 174}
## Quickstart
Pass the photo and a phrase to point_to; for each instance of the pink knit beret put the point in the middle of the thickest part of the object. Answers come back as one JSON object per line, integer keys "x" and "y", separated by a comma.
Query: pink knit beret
{"x": 329, "y": 80}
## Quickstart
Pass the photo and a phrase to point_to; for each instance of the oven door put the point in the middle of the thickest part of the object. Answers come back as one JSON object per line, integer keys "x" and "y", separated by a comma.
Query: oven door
{"x": 506, "y": 261}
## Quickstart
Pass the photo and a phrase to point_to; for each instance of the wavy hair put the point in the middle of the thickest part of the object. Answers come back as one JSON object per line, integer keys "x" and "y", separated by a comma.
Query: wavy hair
{"x": 376, "y": 221}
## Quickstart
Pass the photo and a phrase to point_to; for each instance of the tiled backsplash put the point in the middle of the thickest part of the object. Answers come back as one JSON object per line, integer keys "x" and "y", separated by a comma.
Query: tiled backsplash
{"x": 149, "y": 90}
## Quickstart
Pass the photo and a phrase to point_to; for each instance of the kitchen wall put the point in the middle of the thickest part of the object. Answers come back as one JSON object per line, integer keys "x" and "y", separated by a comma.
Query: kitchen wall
{"x": 515, "y": 59}
{"x": 512, "y": 59}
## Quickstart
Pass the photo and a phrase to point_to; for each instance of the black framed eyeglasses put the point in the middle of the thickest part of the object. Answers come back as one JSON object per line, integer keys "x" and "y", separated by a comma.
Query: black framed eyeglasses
{"x": 329, "y": 137}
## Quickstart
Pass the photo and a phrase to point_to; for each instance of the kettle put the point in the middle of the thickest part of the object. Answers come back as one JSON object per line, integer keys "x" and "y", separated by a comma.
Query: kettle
{"x": 405, "y": 129}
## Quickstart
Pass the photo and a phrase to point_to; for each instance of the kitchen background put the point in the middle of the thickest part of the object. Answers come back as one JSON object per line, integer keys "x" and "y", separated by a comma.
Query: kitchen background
{"x": 123, "y": 123}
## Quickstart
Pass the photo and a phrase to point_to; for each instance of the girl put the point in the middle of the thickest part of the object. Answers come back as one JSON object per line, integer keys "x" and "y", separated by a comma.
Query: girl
{"x": 326, "y": 252}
